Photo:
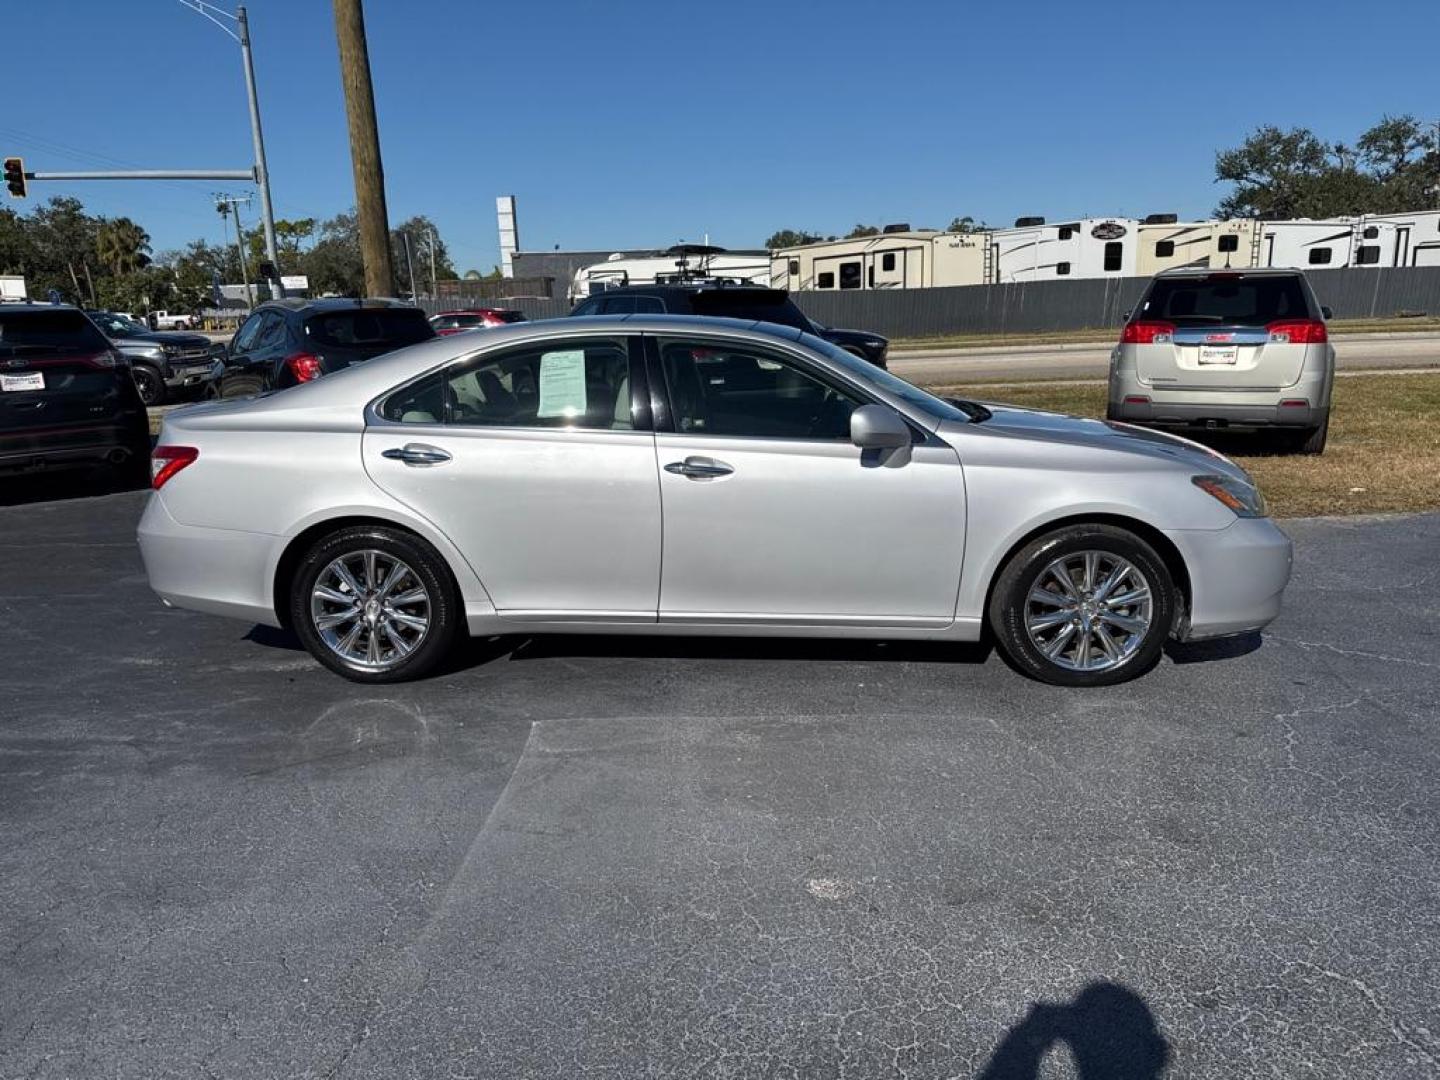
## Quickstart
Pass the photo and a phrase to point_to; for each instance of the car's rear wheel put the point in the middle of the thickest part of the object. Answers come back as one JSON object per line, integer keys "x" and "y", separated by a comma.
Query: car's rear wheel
{"x": 1085, "y": 605}
{"x": 375, "y": 604}
{"x": 149, "y": 382}
{"x": 1309, "y": 440}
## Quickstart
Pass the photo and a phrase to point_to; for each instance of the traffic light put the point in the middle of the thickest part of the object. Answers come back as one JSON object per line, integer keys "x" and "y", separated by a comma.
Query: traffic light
{"x": 15, "y": 177}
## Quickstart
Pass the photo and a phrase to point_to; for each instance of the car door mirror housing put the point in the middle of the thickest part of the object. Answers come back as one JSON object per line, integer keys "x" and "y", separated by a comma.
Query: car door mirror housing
{"x": 877, "y": 427}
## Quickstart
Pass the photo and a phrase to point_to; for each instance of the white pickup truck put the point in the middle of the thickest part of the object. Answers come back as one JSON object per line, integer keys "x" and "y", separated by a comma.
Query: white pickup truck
{"x": 163, "y": 320}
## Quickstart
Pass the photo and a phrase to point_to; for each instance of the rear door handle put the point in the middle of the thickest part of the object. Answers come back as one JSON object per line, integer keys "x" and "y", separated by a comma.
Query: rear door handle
{"x": 416, "y": 454}
{"x": 699, "y": 468}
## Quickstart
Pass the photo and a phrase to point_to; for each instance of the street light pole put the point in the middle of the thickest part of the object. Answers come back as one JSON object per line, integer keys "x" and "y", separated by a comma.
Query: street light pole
{"x": 262, "y": 171}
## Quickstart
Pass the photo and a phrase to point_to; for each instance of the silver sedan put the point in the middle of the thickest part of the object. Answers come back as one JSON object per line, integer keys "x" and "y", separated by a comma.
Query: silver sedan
{"x": 666, "y": 475}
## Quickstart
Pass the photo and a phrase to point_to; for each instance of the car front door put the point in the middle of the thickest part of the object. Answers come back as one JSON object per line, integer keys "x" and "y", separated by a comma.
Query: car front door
{"x": 773, "y": 516}
{"x": 238, "y": 378}
{"x": 531, "y": 459}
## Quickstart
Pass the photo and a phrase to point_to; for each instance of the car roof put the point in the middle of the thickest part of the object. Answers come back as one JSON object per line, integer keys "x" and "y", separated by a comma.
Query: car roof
{"x": 1248, "y": 271}
{"x": 331, "y": 303}
{"x": 39, "y": 307}
{"x": 686, "y": 287}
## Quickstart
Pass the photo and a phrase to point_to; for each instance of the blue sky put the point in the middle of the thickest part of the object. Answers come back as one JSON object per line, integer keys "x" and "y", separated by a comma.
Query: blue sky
{"x": 639, "y": 123}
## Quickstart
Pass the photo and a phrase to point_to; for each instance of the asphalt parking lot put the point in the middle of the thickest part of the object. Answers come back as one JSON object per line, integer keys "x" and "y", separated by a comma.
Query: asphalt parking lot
{"x": 647, "y": 857}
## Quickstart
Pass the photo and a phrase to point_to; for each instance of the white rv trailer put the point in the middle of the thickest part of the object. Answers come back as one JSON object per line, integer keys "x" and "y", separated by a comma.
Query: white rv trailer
{"x": 1414, "y": 242}
{"x": 909, "y": 259}
{"x": 1307, "y": 243}
{"x": 684, "y": 262}
{"x": 1087, "y": 248}
{"x": 1218, "y": 244}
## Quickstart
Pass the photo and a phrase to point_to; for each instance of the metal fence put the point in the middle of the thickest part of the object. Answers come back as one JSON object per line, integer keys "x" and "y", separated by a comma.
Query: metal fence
{"x": 1092, "y": 302}
{"x": 1044, "y": 305}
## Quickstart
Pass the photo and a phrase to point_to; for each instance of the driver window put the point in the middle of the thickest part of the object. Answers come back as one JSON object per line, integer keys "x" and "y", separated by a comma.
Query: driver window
{"x": 723, "y": 390}
{"x": 246, "y": 336}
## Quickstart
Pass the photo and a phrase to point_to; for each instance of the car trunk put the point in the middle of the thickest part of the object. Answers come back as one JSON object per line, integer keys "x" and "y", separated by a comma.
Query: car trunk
{"x": 48, "y": 401}
{"x": 1218, "y": 357}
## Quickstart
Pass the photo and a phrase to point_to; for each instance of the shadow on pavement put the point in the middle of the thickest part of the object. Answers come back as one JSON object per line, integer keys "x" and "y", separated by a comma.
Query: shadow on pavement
{"x": 18, "y": 489}
{"x": 1201, "y": 652}
{"x": 661, "y": 647}
{"x": 1108, "y": 1028}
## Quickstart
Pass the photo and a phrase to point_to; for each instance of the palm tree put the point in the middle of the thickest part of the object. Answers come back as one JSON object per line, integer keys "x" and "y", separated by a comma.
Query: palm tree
{"x": 123, "y": 246}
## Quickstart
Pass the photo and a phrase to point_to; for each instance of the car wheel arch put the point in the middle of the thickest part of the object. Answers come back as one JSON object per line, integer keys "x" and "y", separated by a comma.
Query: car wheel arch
{"x": 461, "y": 575}
{"x": 1163, "y": 545}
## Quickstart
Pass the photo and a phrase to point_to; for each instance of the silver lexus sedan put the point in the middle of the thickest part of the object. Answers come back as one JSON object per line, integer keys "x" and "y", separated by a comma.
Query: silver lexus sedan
{"x": 670, "y": 475}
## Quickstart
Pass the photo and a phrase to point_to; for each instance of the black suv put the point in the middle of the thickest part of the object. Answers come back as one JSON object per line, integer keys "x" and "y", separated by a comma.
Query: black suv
{"x": 66, "y": 396}
{"x": 285, "y": 342}
{"x": 730, "y": 302}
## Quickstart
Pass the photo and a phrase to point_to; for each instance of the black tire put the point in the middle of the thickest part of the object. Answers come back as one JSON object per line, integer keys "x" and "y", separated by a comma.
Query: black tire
{"x": 444, "y": 611}
{"x": 1010, "y": 602}
{"x": 1309, "y": 440}
{"x": 149, "y": 382}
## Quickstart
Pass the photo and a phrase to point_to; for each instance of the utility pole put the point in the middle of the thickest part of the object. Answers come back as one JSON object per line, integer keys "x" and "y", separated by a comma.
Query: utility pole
{"x": 434, "y": 285}
{"x": 228, "y": 204}
{"x": 409, "y": 264}
{"x": 262, "y": 171}
{"x": 364, "y": 147}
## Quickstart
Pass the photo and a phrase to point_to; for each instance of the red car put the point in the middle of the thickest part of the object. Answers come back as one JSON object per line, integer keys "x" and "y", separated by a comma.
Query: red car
{"x": 453, "y": 322}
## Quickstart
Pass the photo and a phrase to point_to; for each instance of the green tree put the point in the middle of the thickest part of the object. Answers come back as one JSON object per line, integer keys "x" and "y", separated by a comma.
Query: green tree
{"x": 788, "y": 238}
{"x": 334, "y": 264}
{"x": 861, "y": 231}
{"x": 967, "y": 224}
{"x": 122, "y": 246}
{"x": 290, "y": 239}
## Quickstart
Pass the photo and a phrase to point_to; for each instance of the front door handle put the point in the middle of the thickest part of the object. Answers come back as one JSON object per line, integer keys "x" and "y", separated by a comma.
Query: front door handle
{"x": 416, "y": 454}
{"x": 699, "y": 468}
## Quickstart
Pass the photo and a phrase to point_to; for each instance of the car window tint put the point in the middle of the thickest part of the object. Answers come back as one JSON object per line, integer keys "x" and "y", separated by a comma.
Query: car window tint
{"x": 724, "y": 390}
{"x": 619, "y": 305}
{"x": 245, "y": 339}
{"x": 1232, "y": 300}
{"x": 649, "y": 305}
{"x": 59, "y": 328}
{"x": 354, "y": 327}
{"x": 272, "y": 332}
{"x": 564, "y": 382}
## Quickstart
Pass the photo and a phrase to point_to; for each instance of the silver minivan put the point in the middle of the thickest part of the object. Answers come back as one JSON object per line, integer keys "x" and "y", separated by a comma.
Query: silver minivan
{"x": 1227, "y": 349}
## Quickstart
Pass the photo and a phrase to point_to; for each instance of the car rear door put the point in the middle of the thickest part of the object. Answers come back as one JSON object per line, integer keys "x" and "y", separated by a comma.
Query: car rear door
{"x": 773, "y": 516}
{"x": 537, "y": 464}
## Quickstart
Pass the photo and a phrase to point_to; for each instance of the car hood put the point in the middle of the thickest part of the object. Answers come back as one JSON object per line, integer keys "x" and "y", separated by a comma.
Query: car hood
{"x": 1065, "y": 430}
{"x": 176, "y": 339}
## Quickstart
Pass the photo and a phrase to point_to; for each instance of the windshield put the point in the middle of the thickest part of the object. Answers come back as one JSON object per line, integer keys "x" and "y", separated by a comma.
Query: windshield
{"x": 1227, "y": 300}
{"x": 893, "y": 384}
{"x": 117, "y": 326}
{"x": 34, "y": 331}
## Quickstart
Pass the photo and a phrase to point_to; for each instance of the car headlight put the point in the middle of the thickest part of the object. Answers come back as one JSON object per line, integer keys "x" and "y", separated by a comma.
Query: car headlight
{"x": 1244, "y": 499}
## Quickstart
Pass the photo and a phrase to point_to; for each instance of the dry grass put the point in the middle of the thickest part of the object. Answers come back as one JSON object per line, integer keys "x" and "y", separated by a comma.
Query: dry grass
{"x": 1383, "y": 455}
{"x": 1416, "y": 324}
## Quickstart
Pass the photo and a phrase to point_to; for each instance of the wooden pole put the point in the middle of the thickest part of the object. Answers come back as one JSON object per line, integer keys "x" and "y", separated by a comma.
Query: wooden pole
{"x": 364, "y": 148}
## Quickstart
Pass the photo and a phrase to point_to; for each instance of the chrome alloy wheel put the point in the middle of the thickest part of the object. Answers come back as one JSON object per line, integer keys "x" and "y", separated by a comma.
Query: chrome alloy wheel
{"x": 370, "y": 609}
{"x": 1089, "y": 611}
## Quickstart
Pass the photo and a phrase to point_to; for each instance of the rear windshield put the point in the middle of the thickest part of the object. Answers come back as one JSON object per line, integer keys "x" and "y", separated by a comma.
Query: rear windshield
{"x": 370, "y": 326}
{"x": 773, "y": 306}
{"x": 30, "y": 333}
{"x": 1229, "y": 301}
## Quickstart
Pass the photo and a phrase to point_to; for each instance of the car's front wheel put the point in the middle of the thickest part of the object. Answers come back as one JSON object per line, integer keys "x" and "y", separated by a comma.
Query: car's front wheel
{"x": 149, "y": 382}
{"x": 375, "y": 604}
{"x": 1085, "y": 605}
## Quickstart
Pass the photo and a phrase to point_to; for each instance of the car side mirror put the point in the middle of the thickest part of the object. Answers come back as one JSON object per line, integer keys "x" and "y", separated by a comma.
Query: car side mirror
{"x": 877, "y": 427}
{"x": 1124, "y": 318}
{"x": 1326, "y": 313}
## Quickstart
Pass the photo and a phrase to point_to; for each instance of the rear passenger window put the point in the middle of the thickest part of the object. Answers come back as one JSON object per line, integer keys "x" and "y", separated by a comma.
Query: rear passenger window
{"x": 1367, "y": 255}
{"x": 619, "y": 305}
{"x": 649, "y": 305}
{"x": 1319, "y": 256}
{"x": 1164, "y": 249}
{"x": 580, "y": 382}
{"x": 825, "y": 281}
{"x": 1228, "y": 242}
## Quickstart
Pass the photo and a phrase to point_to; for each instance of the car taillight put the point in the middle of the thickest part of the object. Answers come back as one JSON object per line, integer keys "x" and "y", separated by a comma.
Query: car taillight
{"x": 166, "y": 461}
{"x": 1298, "y": 332}
{"x": 304, "y": 366}
{"x": 1146, "y": 332}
